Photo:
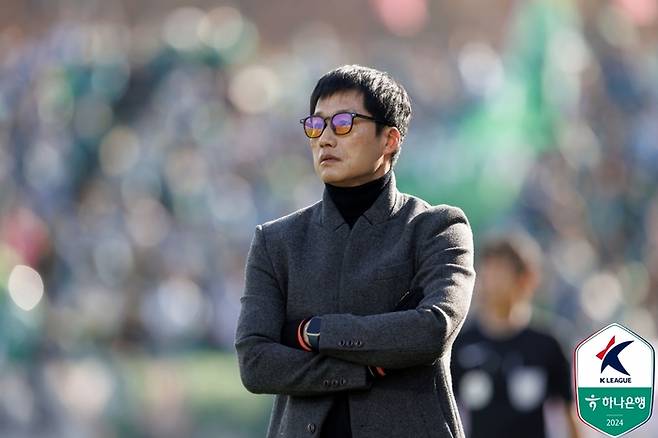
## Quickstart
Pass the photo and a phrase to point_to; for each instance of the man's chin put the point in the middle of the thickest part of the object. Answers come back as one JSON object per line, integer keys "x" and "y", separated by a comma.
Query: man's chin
{"x": 329, "y": 177}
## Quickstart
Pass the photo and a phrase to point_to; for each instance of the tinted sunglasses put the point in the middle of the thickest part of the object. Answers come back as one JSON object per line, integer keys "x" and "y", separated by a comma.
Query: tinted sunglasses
{"x": 341, "y": 123}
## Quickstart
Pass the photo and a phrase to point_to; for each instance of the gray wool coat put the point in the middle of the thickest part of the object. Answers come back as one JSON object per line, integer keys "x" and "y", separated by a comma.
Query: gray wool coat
{"x": 310, "y": 263}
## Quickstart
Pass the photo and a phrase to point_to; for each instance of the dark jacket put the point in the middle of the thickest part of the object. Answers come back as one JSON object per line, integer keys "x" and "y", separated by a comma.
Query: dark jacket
{"x": 310, "y": 263}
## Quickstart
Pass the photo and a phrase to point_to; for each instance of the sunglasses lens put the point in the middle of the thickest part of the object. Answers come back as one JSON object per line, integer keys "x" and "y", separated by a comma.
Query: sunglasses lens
{"x": 313, "y": 126}
{"x": 342, "y": 123}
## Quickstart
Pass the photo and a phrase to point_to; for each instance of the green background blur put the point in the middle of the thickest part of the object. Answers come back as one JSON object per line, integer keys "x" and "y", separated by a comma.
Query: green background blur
{"x": 141, "y": 142}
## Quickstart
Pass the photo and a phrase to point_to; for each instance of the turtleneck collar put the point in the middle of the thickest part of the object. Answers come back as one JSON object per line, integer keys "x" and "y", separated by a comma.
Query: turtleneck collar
{"x": 352, "y": 202}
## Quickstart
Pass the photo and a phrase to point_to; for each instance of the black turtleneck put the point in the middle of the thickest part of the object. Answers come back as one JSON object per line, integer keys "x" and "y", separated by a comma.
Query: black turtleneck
{"x": 352, "y": 202}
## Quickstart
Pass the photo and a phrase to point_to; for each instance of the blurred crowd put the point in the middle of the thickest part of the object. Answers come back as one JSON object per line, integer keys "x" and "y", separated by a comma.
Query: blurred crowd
{"x": 137, "y": 155}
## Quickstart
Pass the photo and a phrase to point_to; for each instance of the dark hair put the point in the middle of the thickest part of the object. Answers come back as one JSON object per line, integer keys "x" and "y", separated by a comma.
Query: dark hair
{"x": 519, "y": 249}
{"x": 383, "y": 97}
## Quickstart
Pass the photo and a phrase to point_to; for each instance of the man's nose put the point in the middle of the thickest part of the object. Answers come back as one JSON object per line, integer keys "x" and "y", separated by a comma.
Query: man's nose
{"x": 327, "y": 138}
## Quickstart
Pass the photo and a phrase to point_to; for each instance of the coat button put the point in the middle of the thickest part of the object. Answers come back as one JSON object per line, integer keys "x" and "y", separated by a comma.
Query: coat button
{"x": 310, "y": 427}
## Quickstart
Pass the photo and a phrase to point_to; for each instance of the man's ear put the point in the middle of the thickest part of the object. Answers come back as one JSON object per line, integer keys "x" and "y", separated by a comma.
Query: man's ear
{"x": 393, "y": 138}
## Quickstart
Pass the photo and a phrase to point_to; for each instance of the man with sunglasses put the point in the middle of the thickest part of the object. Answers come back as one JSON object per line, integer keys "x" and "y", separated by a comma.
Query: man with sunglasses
{"x": 351, "y": 305}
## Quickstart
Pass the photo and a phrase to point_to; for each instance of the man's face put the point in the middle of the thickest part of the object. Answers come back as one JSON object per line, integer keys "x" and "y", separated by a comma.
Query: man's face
{"x": 499, "y": 283}
{"x": 360, "y": 155}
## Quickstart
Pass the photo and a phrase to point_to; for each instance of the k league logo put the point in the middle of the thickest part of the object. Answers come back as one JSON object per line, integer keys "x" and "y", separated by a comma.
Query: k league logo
{"x": 614, "y": 373}
{"x": 611, "y": 358}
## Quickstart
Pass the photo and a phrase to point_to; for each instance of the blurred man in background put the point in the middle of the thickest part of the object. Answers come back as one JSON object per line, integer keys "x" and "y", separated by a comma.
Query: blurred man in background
{"x": 505, "y": 371}
{"x": 325, "y": 323}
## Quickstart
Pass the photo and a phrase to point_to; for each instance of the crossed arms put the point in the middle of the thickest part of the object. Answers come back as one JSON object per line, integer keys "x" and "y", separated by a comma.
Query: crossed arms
{"x": 392, "y": 340}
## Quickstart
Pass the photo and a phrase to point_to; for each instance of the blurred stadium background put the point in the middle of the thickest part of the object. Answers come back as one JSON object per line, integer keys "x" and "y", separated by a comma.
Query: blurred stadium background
{"x": 142, "y": 141}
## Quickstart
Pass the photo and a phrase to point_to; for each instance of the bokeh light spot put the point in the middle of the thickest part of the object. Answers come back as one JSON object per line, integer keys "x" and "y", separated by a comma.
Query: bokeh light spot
{"x": 25, "y": 287}
{"x": 180, "y": 28}
{"x": 254, "y": 89}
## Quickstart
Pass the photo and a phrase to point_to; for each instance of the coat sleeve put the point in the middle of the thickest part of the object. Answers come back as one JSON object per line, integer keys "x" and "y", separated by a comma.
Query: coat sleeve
{"x": 417, "y": 336}
{"x": 267, "y": 366}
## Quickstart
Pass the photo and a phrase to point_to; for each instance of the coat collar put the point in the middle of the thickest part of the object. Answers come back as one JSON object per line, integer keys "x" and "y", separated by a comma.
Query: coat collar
{"x": 386, "y": 205}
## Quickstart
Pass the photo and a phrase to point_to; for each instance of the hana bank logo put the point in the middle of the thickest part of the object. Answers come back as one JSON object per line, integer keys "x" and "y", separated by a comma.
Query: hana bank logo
{"x": 610, "y": 356}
